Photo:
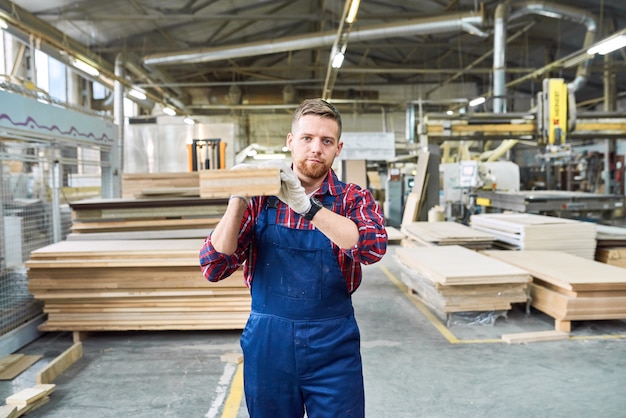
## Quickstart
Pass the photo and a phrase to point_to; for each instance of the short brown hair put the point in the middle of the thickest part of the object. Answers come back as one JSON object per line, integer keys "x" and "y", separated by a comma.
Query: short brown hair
{"x": 320, "y": 108}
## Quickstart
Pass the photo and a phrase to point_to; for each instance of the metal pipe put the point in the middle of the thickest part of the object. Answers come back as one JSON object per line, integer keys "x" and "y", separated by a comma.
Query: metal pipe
{"x": 499, "y": 58}
{"x": 572, "y": 14}
{"x": 468, "y": 21}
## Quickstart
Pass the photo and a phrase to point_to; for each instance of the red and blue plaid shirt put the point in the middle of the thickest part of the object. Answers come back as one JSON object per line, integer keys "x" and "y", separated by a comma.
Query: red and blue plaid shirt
{"x": 353, "y": 202}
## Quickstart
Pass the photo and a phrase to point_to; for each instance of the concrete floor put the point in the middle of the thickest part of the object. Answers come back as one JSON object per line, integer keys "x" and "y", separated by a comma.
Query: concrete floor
{"x": 414, "y": 367}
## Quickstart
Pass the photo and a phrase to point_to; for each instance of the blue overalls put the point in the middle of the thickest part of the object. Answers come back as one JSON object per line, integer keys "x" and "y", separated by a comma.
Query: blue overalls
{"x": 301, "y": 344}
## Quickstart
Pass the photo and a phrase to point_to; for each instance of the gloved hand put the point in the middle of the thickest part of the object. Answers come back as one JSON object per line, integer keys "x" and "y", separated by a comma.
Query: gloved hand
{"x": 291, "y": 191}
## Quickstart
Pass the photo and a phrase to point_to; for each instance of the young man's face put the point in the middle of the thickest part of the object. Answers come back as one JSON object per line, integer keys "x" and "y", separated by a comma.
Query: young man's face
{"x": 314, "y": 144}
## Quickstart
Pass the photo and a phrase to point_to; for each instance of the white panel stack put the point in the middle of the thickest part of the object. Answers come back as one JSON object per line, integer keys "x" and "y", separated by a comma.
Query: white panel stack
{"x": 522, "y": 231}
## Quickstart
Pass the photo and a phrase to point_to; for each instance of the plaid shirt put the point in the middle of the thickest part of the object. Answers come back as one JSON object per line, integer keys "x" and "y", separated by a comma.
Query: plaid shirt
{"x": 353, "y": 202}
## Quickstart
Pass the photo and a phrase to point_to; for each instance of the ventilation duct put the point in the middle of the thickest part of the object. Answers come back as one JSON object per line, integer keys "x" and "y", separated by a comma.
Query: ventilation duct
{"x": 469, "y": 22}
{"x": 556, "y": 11}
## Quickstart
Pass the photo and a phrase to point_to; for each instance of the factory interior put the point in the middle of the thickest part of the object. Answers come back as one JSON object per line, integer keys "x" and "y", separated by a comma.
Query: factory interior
{"x": 492, "y": 135}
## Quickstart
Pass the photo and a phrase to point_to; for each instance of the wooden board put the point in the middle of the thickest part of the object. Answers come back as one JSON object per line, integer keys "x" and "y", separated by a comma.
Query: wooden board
{"x": 447, "y": 233}
{"x": 60, "y": 364}
{"x": 244, "y": 182}
{"x": 133, "y": 184}
{"x": 565, "y": 270}
{"x": 531, "y": 337}
{"x": 29, "y": 396}
{"x": 8, "y": 411}
{"x": 615, "y": 256}
{"x": 415, "y": 199}
{"x": 454, "y": 264}
{"x": 15, "y": 368}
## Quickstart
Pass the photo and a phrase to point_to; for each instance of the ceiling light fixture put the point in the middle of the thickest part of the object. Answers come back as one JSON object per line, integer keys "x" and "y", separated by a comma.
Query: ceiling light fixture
{"x": 169, "y": 111}
{"x": 137, "y": 94}
{"x": 338, "y": 60}
{"x": 608, "y": 45}
{"x": 354, "y": 8}
{"x": 477, "y": 101}
{"x": 86, "y": 68}
{"x": 189, "y": 121}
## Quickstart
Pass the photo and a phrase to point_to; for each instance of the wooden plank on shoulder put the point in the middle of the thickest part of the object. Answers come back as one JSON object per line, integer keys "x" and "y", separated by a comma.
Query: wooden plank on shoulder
{"x": 245, "y": 182}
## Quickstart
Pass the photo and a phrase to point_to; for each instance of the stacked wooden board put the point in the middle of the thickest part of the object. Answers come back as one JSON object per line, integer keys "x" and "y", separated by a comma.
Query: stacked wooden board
{"x": 133, "y": 285}
{"x": 611, "y": 245}
{"x": 123, "y": 215}
{"x": 456, "y": 279}
{"x": 615, "y": 256}
{"x": 570, "y": 288}
{"x": 447, "y": 233}
{"x": 522, "y": 231}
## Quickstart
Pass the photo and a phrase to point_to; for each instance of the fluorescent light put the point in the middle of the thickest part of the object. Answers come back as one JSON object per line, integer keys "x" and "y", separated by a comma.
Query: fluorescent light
{"x": 137, "y": 94}
{"x": 337, "y": 60}
{"x": 3, "y": 24}
{"x": 609, "y": 45}
{"x": 189, "y": 121}
{"x": 477, "y": 101}
{"x": 354, "y": 8}
{"x": 86, "y": 68}
{"x": 169, "y": 111}
{"x": 449, "y": 113}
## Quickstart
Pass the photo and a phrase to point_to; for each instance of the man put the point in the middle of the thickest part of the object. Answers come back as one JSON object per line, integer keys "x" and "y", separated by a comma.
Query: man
{"x": 301, "y": 254}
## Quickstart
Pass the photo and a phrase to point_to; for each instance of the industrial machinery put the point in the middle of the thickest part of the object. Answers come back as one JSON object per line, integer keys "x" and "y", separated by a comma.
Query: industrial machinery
{"x": 554, "y": 125}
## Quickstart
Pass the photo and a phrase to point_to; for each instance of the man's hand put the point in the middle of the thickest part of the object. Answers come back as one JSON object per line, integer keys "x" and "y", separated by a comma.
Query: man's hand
{"x": 291, "y": 191}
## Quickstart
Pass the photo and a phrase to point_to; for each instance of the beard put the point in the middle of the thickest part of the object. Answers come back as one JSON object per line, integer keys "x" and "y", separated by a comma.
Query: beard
{"x": 316, "y": 171}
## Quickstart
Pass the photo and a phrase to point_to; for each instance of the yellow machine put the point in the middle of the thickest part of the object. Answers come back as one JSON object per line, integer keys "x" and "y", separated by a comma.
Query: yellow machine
{"x": 553, "y": 113}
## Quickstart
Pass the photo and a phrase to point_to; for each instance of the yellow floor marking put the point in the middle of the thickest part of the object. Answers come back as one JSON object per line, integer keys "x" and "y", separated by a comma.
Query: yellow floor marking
{"x": 233, "y": 402}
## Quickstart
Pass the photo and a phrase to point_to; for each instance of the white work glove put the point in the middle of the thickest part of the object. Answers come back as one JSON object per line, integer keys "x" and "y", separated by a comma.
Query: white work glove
{"x": 243, "y": 166}
{"x": 291, "y": 191}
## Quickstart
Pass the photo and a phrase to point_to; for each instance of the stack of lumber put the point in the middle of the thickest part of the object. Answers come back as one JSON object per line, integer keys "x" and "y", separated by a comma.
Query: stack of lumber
{"x": 456, "y": 279}
{"x": 133, "y": 285}
{"x": 610, "y": 236}
{"x": 522, "y": 231}
{"x": 123, "y": 215}
{"x": 611, "y": 245}
{"x": 570, "y": 288}
{"x": 27, "y": 400}
{"x": 447, "y": 233}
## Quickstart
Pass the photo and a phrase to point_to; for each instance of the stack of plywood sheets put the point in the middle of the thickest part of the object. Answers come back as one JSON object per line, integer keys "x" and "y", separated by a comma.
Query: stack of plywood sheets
{"x": 456, "y": 279}
{"x": 523, "y": 231}
{"x": 615, "y": 256}
{"x": 571, "y": 288}
{"x": 133, "y": 285}
{"x": 611, "y": 245}
{"x": 123, "y": 215}
{"x": 610, "y": 236}
{"x": 447, "y": 233}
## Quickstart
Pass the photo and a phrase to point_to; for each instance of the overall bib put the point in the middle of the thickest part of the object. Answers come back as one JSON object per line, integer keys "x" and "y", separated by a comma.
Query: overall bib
{"x": 301, "y": 344}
